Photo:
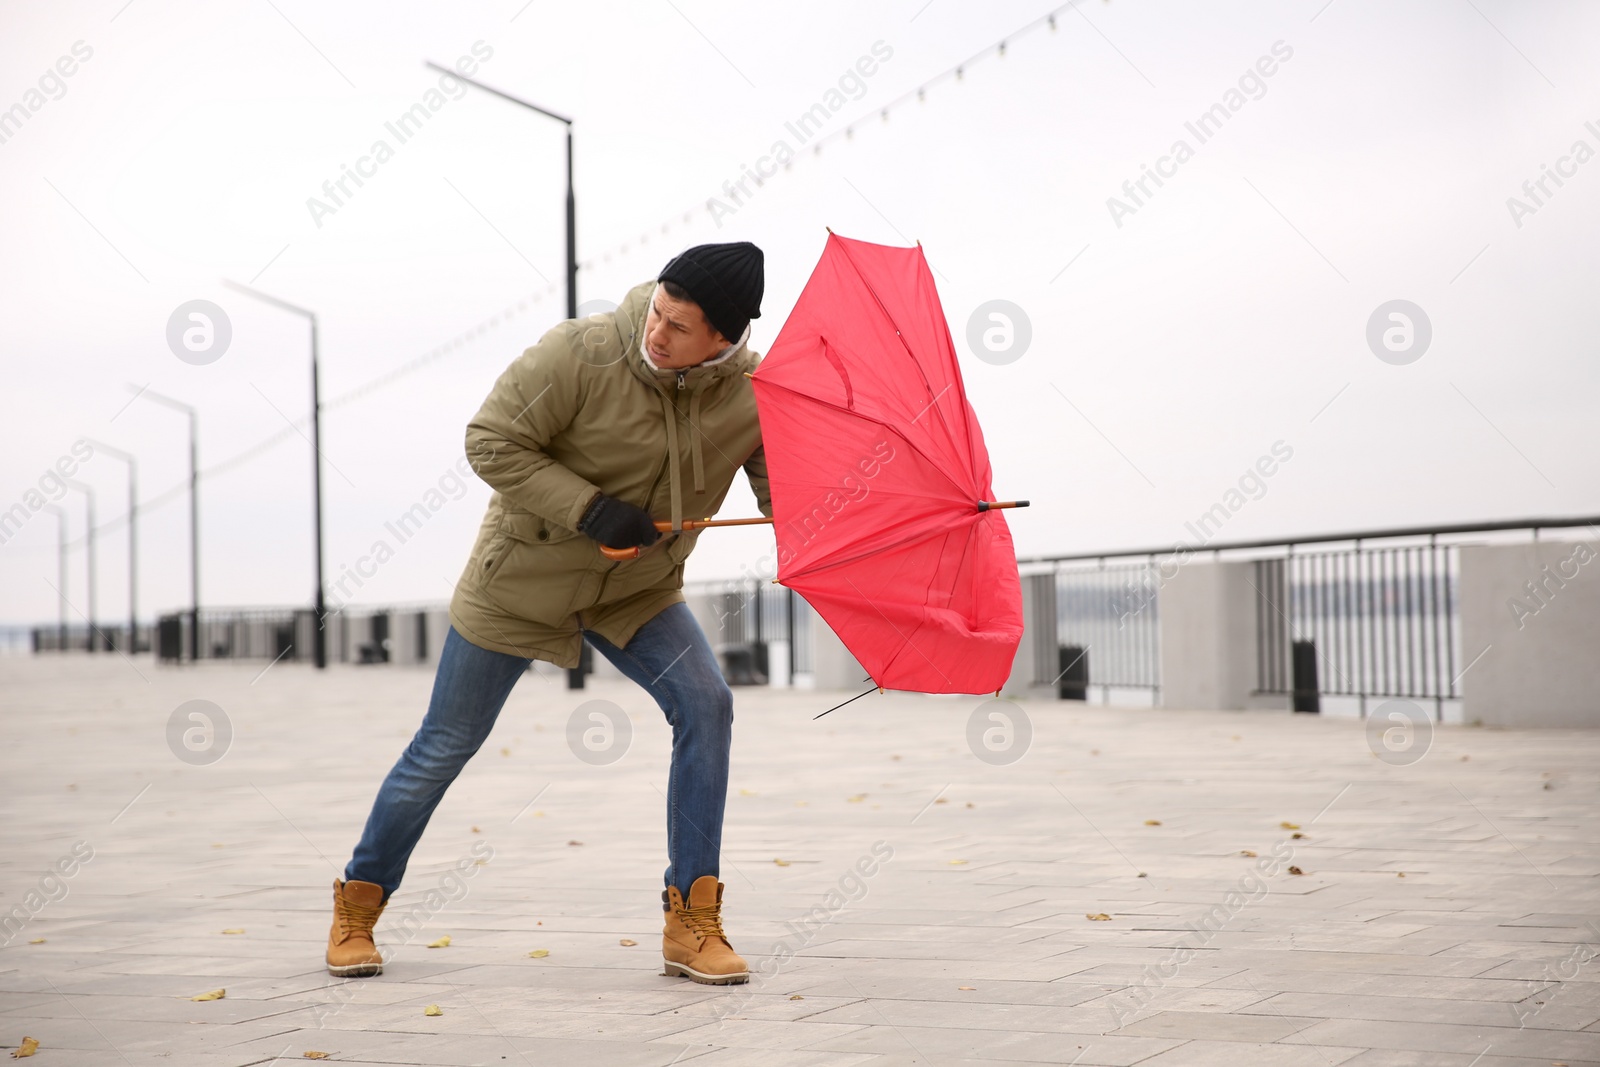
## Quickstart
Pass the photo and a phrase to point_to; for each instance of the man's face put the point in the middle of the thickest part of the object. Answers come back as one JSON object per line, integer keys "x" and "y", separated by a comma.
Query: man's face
{"x": 677, "y": 334}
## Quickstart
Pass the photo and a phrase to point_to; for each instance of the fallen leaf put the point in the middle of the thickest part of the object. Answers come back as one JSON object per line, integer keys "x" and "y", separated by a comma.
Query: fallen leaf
{"x": 215, "y": 994}
{"x": 628, "y": 941}
{"x": 314, "y": 1055}
{"x": 942, "y": 800}
{"x": 802, "y": 803}
{"x": 894, "y": 757}
{"x": 574, "y": 844}
{"x": 1098, "y": 916}
{"x": 1465, "y": 758}
{"x": 505, "y": 752}
{"x": 37, "y": 941}
{"x": 539, "y": 953}
{"x": 1236, "y": 737}
{"x": 29, "y": 1046}
{"x": 955, "y": 863}
{"x": 748, "y": 793}
{"x": 1152, "y": 822}
{"x": 1246, "y": 852}
{"x": 480, "y": 863}
{"x": 476, "y": 830}
{"x": 970, "y": 804}
{"x": 1094, "y": 752}
{"x": 1401, "y": 874}
{"x": 1297, "y": 835}
{"x": 858, "y": 798}
{"x": 1296, "y": 870}
{"x": 234, "y": 930}
{"x": 443, "y": 942}
{"x": 967, "y": 987}
{"x": 1287, "y": 825}
{"x": 1143, "y": 875}
{"x": 432, "y": 1009}
{"x": 781, "y": 863}
{"x": 797, "y": 996}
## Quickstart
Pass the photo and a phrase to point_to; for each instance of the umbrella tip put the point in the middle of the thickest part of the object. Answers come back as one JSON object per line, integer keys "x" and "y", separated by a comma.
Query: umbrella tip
{"x": 828, "y": 228}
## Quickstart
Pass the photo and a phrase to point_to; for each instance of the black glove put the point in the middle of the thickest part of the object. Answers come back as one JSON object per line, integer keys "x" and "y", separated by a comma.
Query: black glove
{"x": 618, "y": 524}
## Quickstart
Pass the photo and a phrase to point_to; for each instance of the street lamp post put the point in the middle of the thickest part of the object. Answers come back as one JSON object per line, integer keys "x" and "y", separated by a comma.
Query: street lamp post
{"x": 88, "y": 512}
{"x": 194, "y": 513}
{"x": 133, "y": 541}
{"x": 61, "y": 576}
{"x": 572, "y": 209}
{"x": 320, "y": 637}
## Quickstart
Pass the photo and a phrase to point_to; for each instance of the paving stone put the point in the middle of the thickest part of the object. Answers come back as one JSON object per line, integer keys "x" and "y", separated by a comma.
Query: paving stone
{"x": 1348, "y": 963}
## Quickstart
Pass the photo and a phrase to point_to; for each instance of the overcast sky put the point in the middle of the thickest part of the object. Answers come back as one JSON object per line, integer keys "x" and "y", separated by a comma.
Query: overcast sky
{"x": 1178, "y": 332}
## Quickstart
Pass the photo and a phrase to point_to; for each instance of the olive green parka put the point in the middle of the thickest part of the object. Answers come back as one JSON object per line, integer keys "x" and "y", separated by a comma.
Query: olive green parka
{"x": 583, "y": 412}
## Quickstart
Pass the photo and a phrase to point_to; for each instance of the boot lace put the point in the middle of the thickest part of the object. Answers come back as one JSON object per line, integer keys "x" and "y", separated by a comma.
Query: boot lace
{"x": 357, "y": 919}
{"x": 705, "y": 920}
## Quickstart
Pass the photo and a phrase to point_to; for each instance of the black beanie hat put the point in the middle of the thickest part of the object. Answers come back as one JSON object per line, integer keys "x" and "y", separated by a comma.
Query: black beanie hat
{"x": 726, "y": 280}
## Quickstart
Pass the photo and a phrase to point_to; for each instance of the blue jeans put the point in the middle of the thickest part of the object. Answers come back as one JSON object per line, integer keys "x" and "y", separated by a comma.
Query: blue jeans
{"x": 668, "y": 656}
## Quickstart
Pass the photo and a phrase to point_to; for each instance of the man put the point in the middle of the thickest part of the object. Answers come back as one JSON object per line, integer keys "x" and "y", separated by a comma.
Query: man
{"x": 606, "y": 425}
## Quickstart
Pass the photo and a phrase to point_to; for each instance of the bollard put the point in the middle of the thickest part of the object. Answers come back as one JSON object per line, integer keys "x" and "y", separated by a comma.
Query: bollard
{"x": 585, "y": 666}
{"x": 1073, "y": 681}
{"x": 1304, "y": 674}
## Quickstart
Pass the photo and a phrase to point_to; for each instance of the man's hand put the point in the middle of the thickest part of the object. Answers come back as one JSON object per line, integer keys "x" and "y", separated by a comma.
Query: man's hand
{"x": 618, "y": 524}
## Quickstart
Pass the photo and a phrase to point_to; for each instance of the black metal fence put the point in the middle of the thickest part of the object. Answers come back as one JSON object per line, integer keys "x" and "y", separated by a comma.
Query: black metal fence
{"x": 109, "y": 638}
{"x": 1362, "y": 615}
{"x": 1364, "y": 621}
{"x": 757, "y": 614}
{"x": 1094, "y": 624}
{"x": 1380, "y": 621}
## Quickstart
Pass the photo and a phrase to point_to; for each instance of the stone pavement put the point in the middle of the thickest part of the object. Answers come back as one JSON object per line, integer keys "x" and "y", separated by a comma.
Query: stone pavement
{"x": 901, "y": 900}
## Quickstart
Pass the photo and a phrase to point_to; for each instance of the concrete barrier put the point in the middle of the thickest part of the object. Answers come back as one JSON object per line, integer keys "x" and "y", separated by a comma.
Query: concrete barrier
{"x": 1530, "y": 634}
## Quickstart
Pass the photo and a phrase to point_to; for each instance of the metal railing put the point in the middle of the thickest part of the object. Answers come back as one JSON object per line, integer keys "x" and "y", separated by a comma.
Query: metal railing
{"x": 1381, "y": 622}
{"x": 755, "y": 612}
{"x": 1369, "y": 614}
{"x": 1094, "y": 625}
{"x": 1368, "y": 620}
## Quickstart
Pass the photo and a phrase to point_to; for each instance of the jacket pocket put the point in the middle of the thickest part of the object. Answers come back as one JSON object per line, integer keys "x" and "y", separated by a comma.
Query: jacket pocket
{"x": 535, "y": 569}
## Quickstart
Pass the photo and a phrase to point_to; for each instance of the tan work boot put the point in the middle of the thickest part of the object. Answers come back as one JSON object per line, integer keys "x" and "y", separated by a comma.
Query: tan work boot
{"x": 356, "y": 907}
{"x": 692, "y": 942}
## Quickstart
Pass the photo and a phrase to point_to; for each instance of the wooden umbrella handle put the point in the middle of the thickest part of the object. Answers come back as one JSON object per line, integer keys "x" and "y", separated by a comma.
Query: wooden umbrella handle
{"x": 688, "y": 524}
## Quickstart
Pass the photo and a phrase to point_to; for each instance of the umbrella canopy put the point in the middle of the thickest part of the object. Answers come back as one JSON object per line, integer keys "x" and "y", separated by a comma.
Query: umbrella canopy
{"x": 877, "y": 468}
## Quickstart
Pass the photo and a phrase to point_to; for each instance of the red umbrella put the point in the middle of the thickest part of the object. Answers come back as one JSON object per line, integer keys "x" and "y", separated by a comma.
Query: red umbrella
{"x": 880, "y": 481}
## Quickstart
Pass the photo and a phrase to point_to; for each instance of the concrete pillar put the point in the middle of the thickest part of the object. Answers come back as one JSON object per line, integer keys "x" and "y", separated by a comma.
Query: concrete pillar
{"x": 1208, "y": 636}
{"x": 1037, "y": 662}
{"x": 832, "y": 665}
{"x": 703, "y": 606}
{"x": 1533, "y": 613}
{"x": 438, "y": 630}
